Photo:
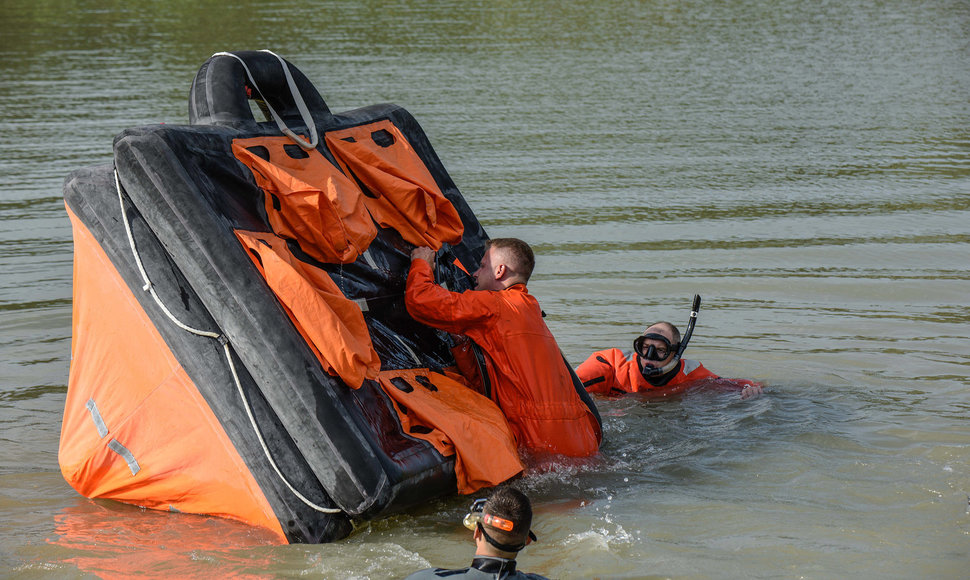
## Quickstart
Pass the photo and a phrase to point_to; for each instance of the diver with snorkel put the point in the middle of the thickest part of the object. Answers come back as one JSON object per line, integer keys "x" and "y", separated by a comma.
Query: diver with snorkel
{"x": 655, "y": 367}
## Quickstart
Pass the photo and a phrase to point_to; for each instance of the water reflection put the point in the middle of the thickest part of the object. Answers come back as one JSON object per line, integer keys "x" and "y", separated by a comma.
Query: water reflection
{"x": 113, "y": 540}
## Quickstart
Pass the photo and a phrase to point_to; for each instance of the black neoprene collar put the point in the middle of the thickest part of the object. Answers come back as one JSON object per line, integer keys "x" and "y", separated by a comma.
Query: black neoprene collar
{"x": 493, "y": 565}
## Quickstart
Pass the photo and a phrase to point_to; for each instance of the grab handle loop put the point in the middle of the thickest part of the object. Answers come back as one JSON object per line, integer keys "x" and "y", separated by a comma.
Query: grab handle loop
{"x": 297, "y": 98}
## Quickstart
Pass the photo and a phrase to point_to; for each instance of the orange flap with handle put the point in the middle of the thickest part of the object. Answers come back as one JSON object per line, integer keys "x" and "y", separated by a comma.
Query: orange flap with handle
{"x": 405, "y": 195}
{"x": 456, "y": 420}
{"x": 331, "y": 324}
{"x": 308, "y": 199}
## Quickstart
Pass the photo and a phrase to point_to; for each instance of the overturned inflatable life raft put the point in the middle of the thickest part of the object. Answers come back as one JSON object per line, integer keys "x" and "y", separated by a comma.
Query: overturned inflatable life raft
{"x": 240, "y": 342}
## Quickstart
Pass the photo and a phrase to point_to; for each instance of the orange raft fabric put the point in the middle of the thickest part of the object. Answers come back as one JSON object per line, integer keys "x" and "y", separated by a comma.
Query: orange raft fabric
{"x": 308, "y": 199}
{"x": 331, "y": 324}
{"x": 457, "y": 421}
{"x": 408, "y": 199}
{"x": 135, "y": 427}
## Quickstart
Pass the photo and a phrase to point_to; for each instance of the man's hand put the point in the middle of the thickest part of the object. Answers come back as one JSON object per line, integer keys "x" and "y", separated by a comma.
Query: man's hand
{"x": 423, "y": 253}
{"x": 751, "y": 391}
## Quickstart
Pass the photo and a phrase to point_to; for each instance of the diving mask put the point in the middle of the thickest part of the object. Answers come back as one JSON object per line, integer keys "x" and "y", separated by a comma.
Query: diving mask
{"x": 652, "y": 352}
{"x": 477, "y": 514}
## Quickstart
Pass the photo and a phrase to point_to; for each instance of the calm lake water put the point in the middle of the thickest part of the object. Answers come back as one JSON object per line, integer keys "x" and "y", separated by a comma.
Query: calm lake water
{"x": 804, "y": 166}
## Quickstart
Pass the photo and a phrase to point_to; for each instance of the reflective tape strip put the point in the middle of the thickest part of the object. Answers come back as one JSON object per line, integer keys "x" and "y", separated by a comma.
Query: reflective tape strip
{"x": 405, "y": 345}
{"x": 369, "y": 259}
{"x": 690, "y": 366}
{"x": 96, "y": 417}
{"x": 123, "y": 451}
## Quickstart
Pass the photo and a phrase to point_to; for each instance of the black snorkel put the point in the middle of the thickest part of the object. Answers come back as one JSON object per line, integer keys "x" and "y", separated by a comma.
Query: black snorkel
{"x": 660, "y": 376}
{"x": 690, "y": 325}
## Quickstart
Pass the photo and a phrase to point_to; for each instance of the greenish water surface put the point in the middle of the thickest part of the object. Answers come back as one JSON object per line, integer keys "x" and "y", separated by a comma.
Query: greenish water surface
{"x": 804, "y": 166}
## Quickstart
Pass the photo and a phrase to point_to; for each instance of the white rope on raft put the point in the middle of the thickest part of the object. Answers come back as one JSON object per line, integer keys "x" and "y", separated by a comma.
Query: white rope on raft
{"x": 224, "y": 341}
{"x": 297, "y": 98}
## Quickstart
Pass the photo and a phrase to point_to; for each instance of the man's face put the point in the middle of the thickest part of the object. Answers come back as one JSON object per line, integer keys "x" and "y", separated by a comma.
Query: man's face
{"x": 662, "y": 348}
{"x": 486, "y": 272}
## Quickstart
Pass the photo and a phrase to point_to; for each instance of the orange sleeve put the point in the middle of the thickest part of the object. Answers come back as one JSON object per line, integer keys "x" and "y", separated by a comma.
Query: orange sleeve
{"x": 430, "y": 304}
{"x": 703, "y": 372}
{"x": 596, "y": 373}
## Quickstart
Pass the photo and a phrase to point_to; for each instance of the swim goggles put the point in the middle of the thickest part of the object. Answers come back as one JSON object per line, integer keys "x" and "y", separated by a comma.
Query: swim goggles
{"x": 476, "y": 516}
{"x": 651, "y": 352}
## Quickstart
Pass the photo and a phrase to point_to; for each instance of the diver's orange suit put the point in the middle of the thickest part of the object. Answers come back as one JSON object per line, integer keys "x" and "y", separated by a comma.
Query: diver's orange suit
{"x": 612, "y": 371}
{"x": 530, "y": 380}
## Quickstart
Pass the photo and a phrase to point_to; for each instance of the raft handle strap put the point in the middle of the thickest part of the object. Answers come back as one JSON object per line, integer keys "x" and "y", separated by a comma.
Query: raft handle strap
{"x": 297, "y": 98}
{"x": 227, "y": 348}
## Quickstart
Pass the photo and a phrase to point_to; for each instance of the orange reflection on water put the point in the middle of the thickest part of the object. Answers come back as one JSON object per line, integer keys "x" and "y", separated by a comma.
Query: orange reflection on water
{"x": 114, "y": 540}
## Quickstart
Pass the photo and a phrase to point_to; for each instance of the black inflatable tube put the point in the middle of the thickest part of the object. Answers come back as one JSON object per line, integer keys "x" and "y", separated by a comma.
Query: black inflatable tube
{"x": 219, "y": 97}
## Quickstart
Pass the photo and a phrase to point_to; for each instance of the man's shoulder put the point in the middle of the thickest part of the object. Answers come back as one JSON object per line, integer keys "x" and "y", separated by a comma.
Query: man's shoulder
{"x": 515, "y": 293}
{"x": 610, "y": 356}
{"x": 470, "y": 572}
{"x": 527, "y": 576}
{"x": 431, "y": 573}
{"x": 694, "y": 368}
{"x": 434, "y": 573}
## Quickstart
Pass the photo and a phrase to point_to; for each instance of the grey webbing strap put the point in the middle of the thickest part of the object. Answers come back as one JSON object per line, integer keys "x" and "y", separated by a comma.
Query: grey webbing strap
{"x": 297, "y": 98}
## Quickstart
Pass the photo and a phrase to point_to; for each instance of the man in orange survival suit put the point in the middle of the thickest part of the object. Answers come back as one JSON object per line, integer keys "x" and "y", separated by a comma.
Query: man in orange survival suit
{"x": 654, "y": 367}
{"x": 530, "y": 380}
